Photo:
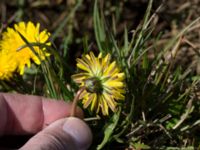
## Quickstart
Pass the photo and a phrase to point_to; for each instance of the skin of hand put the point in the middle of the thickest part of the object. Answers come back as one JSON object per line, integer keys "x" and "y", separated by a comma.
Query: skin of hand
{"x": 48, "y": 119}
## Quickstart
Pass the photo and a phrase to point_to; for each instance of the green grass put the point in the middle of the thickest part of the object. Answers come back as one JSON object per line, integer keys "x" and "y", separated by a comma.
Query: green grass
{"x": 161, "y": 109}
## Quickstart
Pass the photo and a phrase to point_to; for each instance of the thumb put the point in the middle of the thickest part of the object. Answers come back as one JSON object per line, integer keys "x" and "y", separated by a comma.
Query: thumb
{"x": 64, "y": 134}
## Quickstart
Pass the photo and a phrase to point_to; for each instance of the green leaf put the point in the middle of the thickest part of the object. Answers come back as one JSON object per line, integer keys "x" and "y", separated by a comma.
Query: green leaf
{"x": 110, "y": 126}
{"x": 98, "y": 28}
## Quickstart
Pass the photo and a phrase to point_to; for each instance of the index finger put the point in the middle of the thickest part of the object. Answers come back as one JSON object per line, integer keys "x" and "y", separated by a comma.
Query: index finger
{"x": 27, "y": 114}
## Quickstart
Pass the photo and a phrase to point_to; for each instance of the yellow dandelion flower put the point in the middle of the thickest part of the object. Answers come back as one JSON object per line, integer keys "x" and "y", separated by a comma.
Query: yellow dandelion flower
{"x": 12, "y": 42}
{"x": 7, "y": 66}
{"x": 103, "y": 82}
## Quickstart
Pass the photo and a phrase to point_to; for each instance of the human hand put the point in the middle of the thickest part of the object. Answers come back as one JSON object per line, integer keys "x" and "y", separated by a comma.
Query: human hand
{"x": 26, "y": 114}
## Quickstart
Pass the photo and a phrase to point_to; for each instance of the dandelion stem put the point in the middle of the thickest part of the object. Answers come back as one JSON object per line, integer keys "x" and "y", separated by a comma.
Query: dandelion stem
{"x": 75, "y": 100}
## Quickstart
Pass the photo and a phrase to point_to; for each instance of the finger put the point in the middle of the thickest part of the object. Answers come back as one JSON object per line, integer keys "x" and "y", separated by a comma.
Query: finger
{"x": 65, "y": 134}
{"x": 25, "y": 114}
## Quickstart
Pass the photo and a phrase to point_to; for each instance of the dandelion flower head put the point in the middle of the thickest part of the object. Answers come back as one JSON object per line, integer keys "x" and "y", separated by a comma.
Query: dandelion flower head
{"x": 103, "y": 82}
{"x": 7, "y": 66}
{"x": 12, "y": 42}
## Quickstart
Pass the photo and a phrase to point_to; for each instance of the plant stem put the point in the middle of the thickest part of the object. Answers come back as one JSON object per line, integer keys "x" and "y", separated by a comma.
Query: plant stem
{"x": 75, "y": 100}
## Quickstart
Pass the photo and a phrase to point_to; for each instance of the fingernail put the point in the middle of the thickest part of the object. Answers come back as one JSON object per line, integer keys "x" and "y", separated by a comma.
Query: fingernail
{"x": 79, "y": 131}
